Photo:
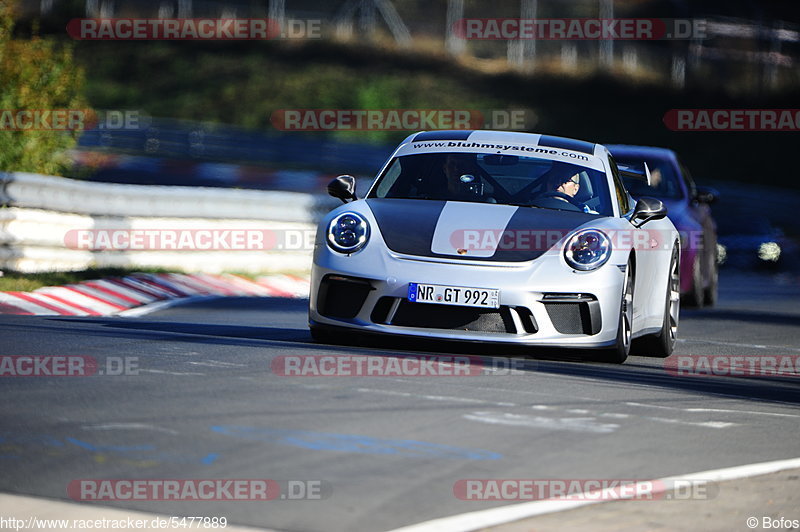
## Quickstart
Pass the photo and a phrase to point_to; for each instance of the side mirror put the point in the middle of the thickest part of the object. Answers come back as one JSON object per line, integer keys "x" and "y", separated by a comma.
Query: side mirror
{"x": 343, "y": 187}
{"x": 706, "y": 195}
{"x": 648, "y": 209}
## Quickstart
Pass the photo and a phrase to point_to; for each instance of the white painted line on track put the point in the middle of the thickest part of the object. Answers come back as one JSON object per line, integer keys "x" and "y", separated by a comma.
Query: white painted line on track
{"x": 706, "y": 424}
{"x": 470, "y": 521}
{"x": 714, "y": 410}
{"x": 129, "y": 426}
{"x": 176, "y": 373}
{"x": 217, "y": 364}
{"x": 470, "y": 400}
{"x": 570, "y": 424}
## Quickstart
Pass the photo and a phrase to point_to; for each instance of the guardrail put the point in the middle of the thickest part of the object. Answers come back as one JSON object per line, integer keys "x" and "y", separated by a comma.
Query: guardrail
{"x": 43, "y": 216}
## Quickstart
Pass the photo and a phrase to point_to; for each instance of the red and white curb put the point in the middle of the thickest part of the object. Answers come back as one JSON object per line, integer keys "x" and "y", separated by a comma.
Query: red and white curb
{"x": 133, "y": 294}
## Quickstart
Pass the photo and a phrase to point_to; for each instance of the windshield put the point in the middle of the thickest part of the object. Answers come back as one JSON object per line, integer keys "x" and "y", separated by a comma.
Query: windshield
{"x": 493, "y": 178}
{"x": 663, "y": 179}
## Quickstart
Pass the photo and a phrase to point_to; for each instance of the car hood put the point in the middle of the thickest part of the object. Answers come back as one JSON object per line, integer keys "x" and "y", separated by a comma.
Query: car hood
{"x": 472, "y": 231}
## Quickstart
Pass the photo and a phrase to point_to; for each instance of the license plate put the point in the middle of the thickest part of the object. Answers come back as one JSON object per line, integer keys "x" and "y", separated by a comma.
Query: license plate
{"x": 453, "y": 295}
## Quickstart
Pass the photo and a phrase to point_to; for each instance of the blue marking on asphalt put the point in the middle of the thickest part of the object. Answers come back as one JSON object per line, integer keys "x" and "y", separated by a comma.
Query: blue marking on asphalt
{"x": 114, "y": 448}
{"x": 324, "y": 441}
{"x": 42, "y": 439}
{"x": 209, "y": 459}
{"x": 140, "y": 452}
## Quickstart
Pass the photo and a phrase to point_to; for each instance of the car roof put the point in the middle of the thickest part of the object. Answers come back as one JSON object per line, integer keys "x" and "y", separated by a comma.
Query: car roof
{"x": 629, "y": 150}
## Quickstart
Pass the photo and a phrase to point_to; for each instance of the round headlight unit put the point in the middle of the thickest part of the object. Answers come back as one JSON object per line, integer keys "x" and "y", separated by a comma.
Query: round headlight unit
{"x": 348, "y": 232}
{"x": 587, "y": 250}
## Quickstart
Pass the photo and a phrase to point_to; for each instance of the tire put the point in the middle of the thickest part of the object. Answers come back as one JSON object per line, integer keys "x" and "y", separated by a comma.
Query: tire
{"x": 711, "y": 292}
{"x": 661, "y": 344}
{"x": 696, "y": 298}
{"x": 619, "y": 353}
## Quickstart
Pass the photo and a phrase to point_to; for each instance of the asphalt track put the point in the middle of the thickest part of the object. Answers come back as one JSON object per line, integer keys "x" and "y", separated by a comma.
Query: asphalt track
{"x": 386, "y": 451}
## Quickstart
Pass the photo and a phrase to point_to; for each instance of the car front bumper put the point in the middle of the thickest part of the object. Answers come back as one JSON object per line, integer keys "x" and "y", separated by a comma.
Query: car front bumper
{"x": 542, "y": 302}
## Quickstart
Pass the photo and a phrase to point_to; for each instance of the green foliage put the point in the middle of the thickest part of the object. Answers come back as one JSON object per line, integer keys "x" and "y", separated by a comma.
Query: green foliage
{"x": 243, "y": 84}
{"x": 26, "y": 282}
{"x": 35, "y": 74}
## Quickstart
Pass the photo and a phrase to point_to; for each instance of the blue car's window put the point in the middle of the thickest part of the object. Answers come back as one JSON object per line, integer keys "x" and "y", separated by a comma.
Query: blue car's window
{"x": 491, "y": 178}
{"x": 663, "y": 179}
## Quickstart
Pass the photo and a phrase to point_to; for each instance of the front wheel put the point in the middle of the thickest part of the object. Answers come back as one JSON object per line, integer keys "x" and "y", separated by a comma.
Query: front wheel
{"x": 619, "y": 353}
{"x": 696, "y": 297}
{"x": 710, "y": 294}
{"x": 661, "y": 344}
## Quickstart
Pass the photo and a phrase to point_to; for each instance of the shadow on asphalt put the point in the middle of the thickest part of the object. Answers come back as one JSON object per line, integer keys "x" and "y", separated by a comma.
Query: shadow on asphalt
{"x": 563, "y": 362}
{"x": 747, "y": 316}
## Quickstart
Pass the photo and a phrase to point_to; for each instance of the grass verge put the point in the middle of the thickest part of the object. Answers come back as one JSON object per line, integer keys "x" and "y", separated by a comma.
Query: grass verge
{"x": 11, "y": 281}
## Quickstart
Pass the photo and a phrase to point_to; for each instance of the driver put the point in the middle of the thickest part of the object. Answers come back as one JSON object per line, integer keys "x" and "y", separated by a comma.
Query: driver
{"x": 565, "y": 190}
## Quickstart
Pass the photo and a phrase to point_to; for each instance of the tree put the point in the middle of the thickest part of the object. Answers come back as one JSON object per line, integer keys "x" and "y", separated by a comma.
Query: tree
{"x": 36, "y": 75}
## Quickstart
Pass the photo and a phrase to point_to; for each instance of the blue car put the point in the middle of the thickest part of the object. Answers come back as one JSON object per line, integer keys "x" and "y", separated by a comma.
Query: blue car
{"x": 688, "y": 206}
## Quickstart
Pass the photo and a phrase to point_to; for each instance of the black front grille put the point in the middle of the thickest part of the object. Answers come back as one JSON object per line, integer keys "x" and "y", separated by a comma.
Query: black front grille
{"x": 342, "y": 297}
{"x": 432, "y": 316}
{"x": 573, "y": 314}
{"x": 381, "y": 311}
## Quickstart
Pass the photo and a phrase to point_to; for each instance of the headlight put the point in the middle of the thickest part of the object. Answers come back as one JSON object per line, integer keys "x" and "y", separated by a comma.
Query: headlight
{"x": 587, "y": 250}
{"x": 348, "y": 232}
{"x": 769, "y": 251}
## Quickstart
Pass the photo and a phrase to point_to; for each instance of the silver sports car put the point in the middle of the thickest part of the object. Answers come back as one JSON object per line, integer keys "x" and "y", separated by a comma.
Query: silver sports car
{"x": 504, "y": 237}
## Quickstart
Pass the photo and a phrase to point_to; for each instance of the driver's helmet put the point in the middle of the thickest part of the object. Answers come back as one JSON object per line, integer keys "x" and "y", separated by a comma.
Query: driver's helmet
{"x": 559, "y": 178}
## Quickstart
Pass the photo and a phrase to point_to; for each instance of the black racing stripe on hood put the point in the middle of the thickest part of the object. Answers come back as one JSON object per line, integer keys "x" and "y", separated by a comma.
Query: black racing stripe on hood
{"x": 459, "y": 134}
{"x": 567, "y": 144}
{"x": 531, "y": 229}
{"x": 407, "y": 225}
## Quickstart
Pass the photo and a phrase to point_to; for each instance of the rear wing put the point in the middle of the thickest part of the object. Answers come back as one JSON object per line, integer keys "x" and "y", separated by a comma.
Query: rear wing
{"x": 635, "y": 173}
